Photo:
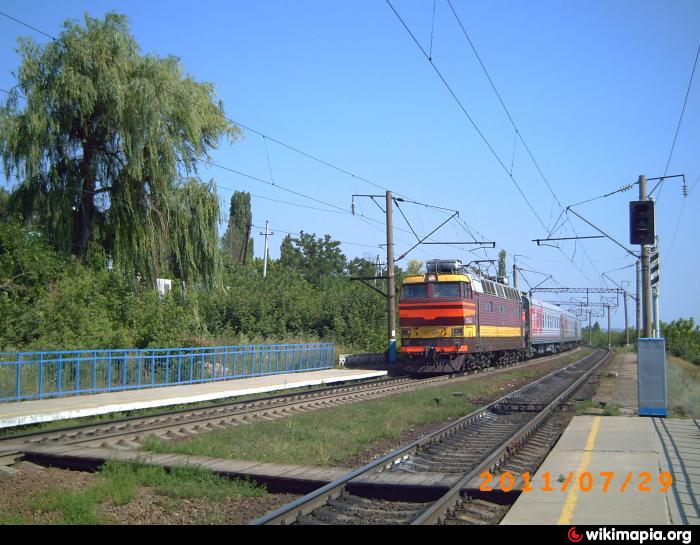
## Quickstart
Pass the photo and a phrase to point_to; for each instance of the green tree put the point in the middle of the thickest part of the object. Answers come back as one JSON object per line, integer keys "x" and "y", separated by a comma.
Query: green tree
{"x": 683, "y": 339}
{"x": 103, "y": 142}
{"x": 502, "y": 269}
{"x": 415, "y": 266}
{"x": 361, "y": 266}
{"x": 314, "y": 258}
{"x": 239, "y": 225}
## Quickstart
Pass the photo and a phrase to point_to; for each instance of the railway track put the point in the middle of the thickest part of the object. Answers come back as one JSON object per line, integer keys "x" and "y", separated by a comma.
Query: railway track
{"x": 512, "y": 433}
{"x": 130, "y": 433}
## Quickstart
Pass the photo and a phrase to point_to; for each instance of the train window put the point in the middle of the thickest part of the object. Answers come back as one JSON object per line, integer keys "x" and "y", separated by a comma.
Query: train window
{"x": 446, "y": 289}
{"x": 488, "y": 305}
{"x": 499, "y": 289}
{"x": 414, "y": 291}
{"x": 467, "y": 290}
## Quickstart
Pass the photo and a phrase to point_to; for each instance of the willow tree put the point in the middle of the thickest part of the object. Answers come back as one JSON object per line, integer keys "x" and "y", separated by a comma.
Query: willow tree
{"x": 103, "y": 142}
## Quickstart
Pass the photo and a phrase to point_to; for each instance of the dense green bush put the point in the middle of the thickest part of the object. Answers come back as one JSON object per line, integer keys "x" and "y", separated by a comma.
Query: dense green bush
{"x": 683, "y": 339}
{"x": 50, "y": 301}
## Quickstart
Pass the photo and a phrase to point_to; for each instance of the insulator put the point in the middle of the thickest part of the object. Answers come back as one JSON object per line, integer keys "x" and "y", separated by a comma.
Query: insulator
{"x": 685, "y": 189}
{"x": 352, "y": 208}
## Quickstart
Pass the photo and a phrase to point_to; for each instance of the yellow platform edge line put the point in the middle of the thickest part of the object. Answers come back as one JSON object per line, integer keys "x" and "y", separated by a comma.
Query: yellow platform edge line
{"x": 572, "y": 497}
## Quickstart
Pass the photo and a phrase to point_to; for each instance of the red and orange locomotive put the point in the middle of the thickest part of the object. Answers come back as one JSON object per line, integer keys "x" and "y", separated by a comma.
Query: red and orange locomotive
{"x": 452, "y": 319}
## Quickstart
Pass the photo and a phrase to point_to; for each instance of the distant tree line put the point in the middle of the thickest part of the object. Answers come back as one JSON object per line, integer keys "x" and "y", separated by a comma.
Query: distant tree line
{"x": 682, "y": 338}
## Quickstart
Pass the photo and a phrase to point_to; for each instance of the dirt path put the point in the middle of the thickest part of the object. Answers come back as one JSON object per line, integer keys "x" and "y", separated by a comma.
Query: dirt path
{"x": 618, "y": 384}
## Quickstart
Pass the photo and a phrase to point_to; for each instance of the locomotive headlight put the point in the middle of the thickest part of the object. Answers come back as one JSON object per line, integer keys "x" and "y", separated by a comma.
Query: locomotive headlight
{"x": 432, "y": 278}
{"x": 458, "y": 331}
{"x": 406, "y": 332}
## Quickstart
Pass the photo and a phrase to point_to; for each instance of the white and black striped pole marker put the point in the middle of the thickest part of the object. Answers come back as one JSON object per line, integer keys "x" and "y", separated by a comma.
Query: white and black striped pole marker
{"x": 654, "y": 273}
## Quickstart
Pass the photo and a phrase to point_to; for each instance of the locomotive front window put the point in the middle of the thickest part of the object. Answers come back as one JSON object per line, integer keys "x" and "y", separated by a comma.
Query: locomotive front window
{"x": 446, "y": 290}
{"x": 414, "y": 291}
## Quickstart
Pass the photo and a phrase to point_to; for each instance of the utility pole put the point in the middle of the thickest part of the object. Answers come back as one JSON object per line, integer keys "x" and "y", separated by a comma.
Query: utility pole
{"x": 646, "y": 279}
{"x": 377, "y": 269}
{"x": 608, "y": 308}
{"x": 638, "y": 298}
{"x": 590, "y": 329}
{"x": 391, "y": 295}
{"x": 267, "y": 233}
{"x": 515, "y": 276}
{"x": 627, "y": 329}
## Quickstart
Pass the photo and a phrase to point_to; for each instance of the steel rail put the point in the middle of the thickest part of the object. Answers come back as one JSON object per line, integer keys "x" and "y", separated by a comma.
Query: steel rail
{"x": 302, "y": 506}
{"x": 453, "y": 497}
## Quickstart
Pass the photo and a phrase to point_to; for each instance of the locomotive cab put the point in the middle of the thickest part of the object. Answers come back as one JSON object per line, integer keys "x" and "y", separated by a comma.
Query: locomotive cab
{"x": 453, "y": 319}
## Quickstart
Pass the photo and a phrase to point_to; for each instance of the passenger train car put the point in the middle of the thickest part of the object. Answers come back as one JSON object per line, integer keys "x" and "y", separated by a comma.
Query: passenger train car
{"x": 452, "y": 319}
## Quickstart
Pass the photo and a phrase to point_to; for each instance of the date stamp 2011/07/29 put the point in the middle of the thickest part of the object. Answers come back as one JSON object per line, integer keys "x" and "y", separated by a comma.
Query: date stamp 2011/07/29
{"x": 606, "y": 481}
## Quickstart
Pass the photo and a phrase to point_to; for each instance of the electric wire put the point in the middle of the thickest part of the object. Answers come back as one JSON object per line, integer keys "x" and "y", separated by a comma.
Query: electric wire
{"x": 680, "y": 120}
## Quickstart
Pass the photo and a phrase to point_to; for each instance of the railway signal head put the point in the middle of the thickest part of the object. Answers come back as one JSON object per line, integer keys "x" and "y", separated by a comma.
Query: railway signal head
{"x": 642, "y": 222}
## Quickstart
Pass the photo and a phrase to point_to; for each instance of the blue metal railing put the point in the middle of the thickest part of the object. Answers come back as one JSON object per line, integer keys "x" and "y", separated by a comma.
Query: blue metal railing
{"x": 39, "y": 375}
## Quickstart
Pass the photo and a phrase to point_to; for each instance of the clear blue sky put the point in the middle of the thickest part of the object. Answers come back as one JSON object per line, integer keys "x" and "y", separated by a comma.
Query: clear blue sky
{"x": 595, "y": 88}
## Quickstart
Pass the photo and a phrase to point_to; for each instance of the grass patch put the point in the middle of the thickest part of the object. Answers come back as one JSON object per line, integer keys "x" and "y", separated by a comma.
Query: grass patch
{"x": 331, "y": 436}
{"x": 119, "y": 483}
{"x": 609, "y": 409}
{"x": 8, "y": 519}
{"x": 683, "y": 388}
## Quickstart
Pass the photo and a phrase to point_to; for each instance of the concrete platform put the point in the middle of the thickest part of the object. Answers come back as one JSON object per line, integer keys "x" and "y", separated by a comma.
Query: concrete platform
{"x": 44, "y": 410}
{"x": 276, "y": 477}
{"x": 623, "y": 446}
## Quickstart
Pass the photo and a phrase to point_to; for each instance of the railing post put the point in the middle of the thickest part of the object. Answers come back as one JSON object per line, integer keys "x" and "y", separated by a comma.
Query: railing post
{"x": 109, "y": 371}
{"x": 125, "y": 365}
{"x": 60, "y": 374}
{"x": 94, "y": 372}
{"x": 179, "y": 362}
{"x": 41, "y": 375}
{"x": 19, "y": 375}
{"x": 77, "y": 372}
